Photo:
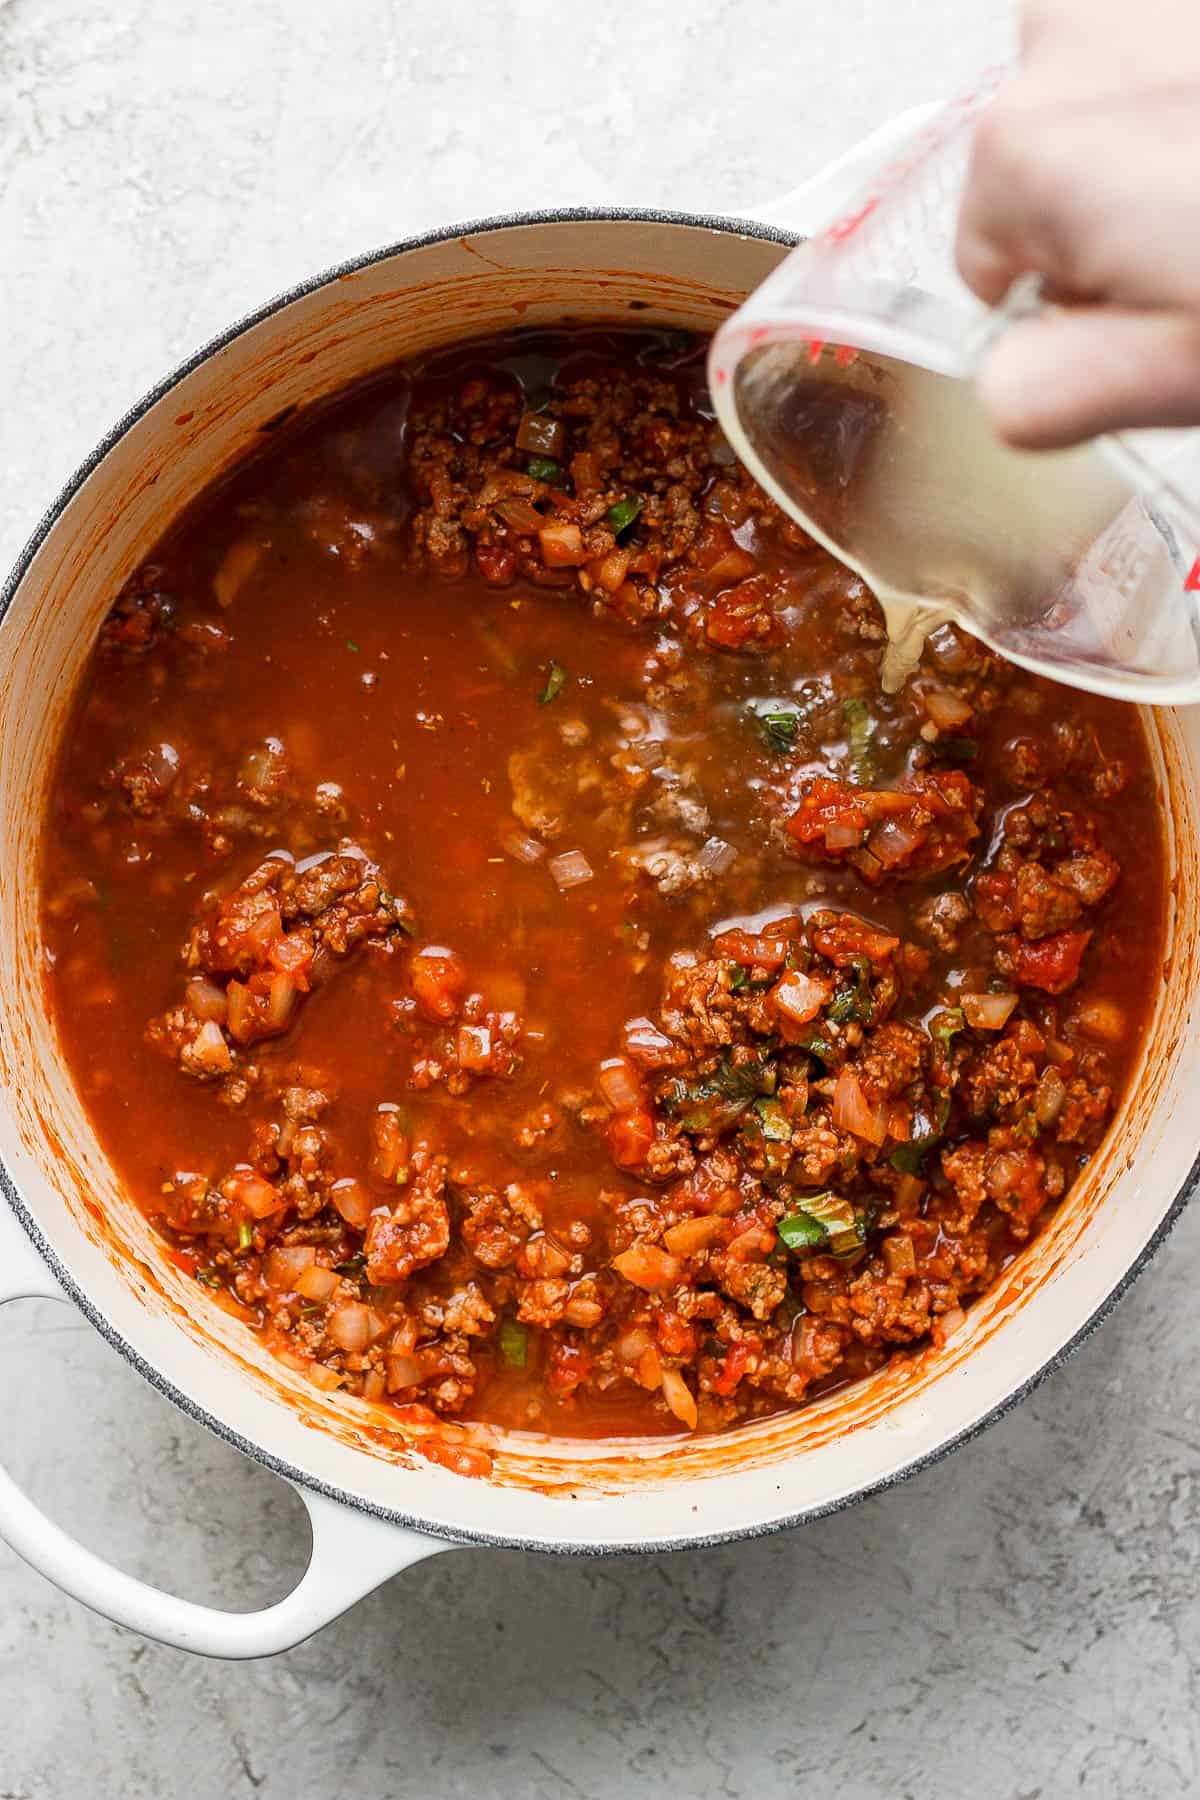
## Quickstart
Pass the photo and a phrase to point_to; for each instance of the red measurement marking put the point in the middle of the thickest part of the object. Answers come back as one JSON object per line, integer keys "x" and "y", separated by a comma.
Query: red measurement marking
{"x": 722, "y": 377}
{"x": 758, "y": 334}
{"x": 815, "y": 347}
{"x": 1192, "y": 584}
{"x": 845, "y": 227}
{"x": 844, "y": 355}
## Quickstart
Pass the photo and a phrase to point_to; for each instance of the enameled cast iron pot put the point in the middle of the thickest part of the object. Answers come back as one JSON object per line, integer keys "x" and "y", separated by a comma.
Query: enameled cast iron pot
{"x": 67, "y": 1229}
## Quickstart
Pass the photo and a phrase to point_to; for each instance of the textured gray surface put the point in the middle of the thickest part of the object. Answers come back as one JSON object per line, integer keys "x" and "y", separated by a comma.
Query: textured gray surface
{"x": 1021, "y": 1621}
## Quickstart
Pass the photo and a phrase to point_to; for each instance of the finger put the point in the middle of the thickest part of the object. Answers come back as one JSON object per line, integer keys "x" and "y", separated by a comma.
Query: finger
{"x": 1056, "y": 380}
{"x": 1045, "y": 194}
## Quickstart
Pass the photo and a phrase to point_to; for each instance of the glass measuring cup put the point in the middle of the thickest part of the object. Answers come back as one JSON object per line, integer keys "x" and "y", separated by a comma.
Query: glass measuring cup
{"x": 845, "y": 382}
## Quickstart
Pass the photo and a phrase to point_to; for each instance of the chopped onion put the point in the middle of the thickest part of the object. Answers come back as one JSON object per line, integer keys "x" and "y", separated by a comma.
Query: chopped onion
{"x": 851, "y": 1111}
{"x": 691, "y": 1235}
{"x": 562, "y": 546}
{"x": 402, "y": 1372}
{"x": 324, "y": 1378}
{"x": 679, "y": 1397}
{"x": 348, "y": 1326}
{"x": 631, "y": 1345}
{"x": 520, "y": 515}
{"x": 1050, "y": 1097}
{"x": 899, "y": 1256}
{"x": 206, "y": 999}
{"x": 1100, "y": 1019}
{"x": 571, "y": 869}
{"x": 619, "y": 1084}
{"x": 583, "y": 1313}
{"x": 648, "y": 1046}
{"x": 947, "y": 710}
{"x": 798, "y": 997}
{"x": 988, "y": 1012}
{"x": 315, "y": 1283}
{"x": 648, "y": 1267}
{"x": 840, "y": 835}
{"x": 947, "y": 1325}
{"x": 893, "y": 841}
{"x": 716, "y": 855}
{"x": 261, "y": 933}
{"x": 209, "y": 1051}
{"x": 285, "y": 1262}
{"x": 254, "y": 1194}
{"x": 521, "y": 847}
{"x": 282, "y": 1002}
{"x": 541, "y": 434}
{"x": 352, "y": 1202}
{"x": 374, "y": 1386}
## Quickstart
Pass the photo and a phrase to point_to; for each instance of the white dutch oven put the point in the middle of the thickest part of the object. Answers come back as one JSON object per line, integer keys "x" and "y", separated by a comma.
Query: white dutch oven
{"x": 376, "y": 1503}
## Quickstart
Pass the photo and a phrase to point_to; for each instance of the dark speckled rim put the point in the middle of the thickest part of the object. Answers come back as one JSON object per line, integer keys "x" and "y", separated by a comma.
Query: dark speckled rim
{"x": 433, "y": 1527}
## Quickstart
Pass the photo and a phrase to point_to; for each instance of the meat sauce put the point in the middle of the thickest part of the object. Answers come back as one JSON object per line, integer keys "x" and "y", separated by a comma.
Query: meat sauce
{"x": 519, "y": 959}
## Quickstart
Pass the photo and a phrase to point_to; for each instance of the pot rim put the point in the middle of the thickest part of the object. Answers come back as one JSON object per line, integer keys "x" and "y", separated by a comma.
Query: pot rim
{"x": 727, "y": 225}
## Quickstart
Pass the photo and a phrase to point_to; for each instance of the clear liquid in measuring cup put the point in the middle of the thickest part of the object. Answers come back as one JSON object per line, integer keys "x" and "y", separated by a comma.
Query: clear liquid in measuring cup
{"x": 1050, "y": 556}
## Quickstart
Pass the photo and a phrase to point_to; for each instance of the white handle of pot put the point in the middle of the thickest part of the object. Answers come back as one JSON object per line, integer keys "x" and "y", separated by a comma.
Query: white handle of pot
{"x": 805, "y": 209}
{"x": 352, "y": 1553}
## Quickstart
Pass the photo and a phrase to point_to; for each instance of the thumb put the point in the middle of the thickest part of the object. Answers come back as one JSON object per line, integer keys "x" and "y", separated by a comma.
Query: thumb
{"x": 1075, "y": 372}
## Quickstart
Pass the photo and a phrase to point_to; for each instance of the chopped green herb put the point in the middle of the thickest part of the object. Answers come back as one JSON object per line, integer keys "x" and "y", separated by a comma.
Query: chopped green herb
{"x": 821, "y": 1048}
{"x": 908, "y": 1159}
{"x": 514, "y": 1343}
{"x": 245, "y": 1235}
{"x": 943, "y": 1025}
{"x": 779, "y": 727}
{"x": 718, "y": 1101}
{"x": 738, "y": 979}
{"x": 311, "y": 1310}
{"x": 854, "y": 1002}
{"x": 773, "y": 1120}
{"x": 927, "y": 1129}
{"x": 209, "y": 1278}
{"x": 556, "y": 681}
{"x": 354, "y": 1266}
{"x": 800, "y": 1232}
{"x": 351, "y": 645}
{"x": 860, "y": 728}
{"x": 622, "y": 515}
{"x": 544, "y": 468}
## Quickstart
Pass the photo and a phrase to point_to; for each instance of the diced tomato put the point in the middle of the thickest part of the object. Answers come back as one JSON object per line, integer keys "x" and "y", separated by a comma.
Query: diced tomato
{"x": 439, "y": 982}
{"x": 918, "y": 828}
{"x": 828, "y": 803}
{"x": 720, "y": 556}
{"x": 630, "y": 1135}
{"x": 497, "y": 563}
{"x": 568, "y": 1367}
{"x": 1052, "y": 963}
{"x": 741, "y": 619}
{"x": 676, "y": 1336}
{"x": 849, "y": 938}
{"x": 751, "y": 949}
{"x": 732, "y": 1369}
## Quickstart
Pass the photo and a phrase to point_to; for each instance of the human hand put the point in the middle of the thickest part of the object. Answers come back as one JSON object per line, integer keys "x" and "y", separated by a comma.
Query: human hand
{"x": 1086, "y": 170}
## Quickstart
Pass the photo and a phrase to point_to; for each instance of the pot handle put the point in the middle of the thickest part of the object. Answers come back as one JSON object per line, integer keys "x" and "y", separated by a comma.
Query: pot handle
{"x": 805, "y": 209}
{"x": 352, "y": 1552}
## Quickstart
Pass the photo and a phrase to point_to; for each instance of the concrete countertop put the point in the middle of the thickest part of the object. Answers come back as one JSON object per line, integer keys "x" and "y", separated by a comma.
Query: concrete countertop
{"x": 1023, "y": 1620}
